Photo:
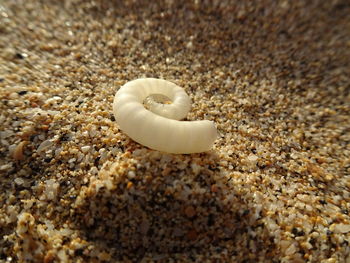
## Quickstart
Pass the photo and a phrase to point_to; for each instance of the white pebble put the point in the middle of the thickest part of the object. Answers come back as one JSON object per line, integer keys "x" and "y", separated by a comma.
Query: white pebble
{"x": 85, "y": 149}
{"x": 342, "y": 228}
{"x": 253, "y": 158}
{"x": 196, "y": 168}
{"x": 53, "y": 99}
{"x": 189, "y": 45}
{"x": 51, "y": 189}
{"x": 44, "y": 145}
{"x": 5, "y": 167}
{"x": 19, "y": 181}
{"x": 131, "y": 174}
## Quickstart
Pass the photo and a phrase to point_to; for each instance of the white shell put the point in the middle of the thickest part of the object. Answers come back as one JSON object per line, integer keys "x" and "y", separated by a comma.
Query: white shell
{"x": 160, "y": 127}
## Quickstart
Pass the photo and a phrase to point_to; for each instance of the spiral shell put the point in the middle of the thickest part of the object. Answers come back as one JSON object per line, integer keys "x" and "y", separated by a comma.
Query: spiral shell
{"x": 160, "y": 128}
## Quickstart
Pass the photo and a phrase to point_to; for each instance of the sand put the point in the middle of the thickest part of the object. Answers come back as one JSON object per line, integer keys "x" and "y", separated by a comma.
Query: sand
{"x": 273, "y": 75}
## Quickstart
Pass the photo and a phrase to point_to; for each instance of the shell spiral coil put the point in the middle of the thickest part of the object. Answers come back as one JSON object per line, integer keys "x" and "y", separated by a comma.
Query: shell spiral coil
{"x": 160, "y": 128}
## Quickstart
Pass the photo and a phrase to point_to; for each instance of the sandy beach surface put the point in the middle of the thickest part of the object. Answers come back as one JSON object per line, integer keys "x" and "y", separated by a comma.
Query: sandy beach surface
{"x": 274, "y": 76}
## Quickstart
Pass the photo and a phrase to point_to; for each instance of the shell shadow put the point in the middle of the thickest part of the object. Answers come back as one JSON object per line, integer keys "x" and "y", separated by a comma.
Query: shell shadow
{"x": 168, "y": 205}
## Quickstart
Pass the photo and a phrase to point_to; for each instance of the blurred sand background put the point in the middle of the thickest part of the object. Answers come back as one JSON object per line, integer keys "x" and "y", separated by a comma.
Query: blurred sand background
{"x": 273, "y": 75}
